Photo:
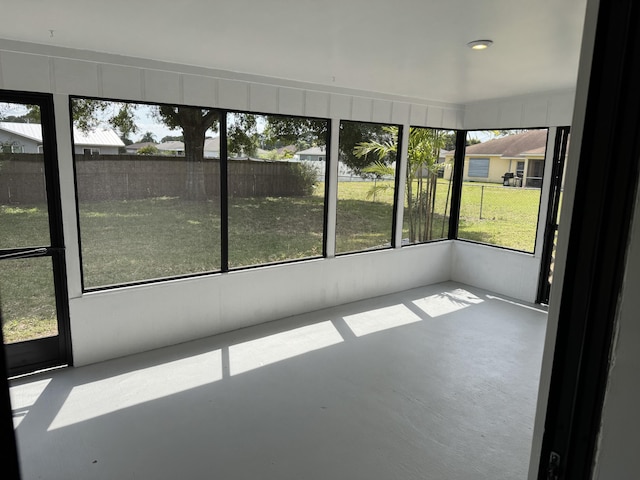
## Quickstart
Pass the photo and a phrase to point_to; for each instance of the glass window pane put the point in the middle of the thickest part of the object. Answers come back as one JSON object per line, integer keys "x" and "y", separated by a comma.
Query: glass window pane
{"x": 148, "y": 181}
{"x": 428, "y": 186}
{"x": 502, "y": 180}
{"x": 28, "y": 300}
{"x": 24, "y": 217}
{"x": 366, "y": 184}
{"x": 276, "y": 172}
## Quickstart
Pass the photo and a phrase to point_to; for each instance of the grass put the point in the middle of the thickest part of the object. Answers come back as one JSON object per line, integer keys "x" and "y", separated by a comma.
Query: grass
{"x": 129, "y": 241}
{"x": 497, "y": 215}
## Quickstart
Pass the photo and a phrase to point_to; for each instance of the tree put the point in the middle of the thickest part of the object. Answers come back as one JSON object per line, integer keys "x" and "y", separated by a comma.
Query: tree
{"x": 148, "y": 150}
{"x": 242, "y": 134}
{"x": 449, "y": 141}
{"x": 89, "y": 114}
{"x": 304, "y": 132}
{"x": 194, "y": 123}
{"x": 422, "y": 174}
{"x": 504, "y": 133}
{"x": 148, "y": 137}
{"x": 32, "y": 114}
{"x": 172, "y": 138}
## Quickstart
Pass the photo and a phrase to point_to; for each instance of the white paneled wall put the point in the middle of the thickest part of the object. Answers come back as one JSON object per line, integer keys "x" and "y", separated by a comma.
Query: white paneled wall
{"x": 549, "y": 109}
{"x": 56, "y": 70}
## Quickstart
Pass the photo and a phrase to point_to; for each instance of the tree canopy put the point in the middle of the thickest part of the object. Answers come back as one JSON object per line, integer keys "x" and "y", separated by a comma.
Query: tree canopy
{"x": 32, "y": 114}
{"x": 148, "y": 137}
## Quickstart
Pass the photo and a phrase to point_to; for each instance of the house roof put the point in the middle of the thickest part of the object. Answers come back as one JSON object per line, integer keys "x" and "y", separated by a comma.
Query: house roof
{"x": 139, "y": 145}
{"x": 531, "y": 142}
{"x": 172, "y": 146}
{"x": 320, "y": 150}
{"x": 210, "y": 145}
{"x": 103, "y": 137}
{"x": 32, "y": 131}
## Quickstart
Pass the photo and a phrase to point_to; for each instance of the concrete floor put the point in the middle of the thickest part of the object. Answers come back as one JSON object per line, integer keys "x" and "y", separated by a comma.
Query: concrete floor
{"x": 438, "y": 382}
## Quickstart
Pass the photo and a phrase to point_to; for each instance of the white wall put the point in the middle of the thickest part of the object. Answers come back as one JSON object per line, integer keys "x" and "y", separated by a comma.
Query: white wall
{"x": 503, "y": 271}
{"x": 499, "y": 270}
{"x": 41, "y": 68}
{"x": 132, "y": 319}
{"x": 526, "y": 111}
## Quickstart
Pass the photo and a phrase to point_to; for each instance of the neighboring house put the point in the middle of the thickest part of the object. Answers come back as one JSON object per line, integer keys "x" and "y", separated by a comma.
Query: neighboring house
{"x": 317, "y": 157}
{"x": 27, "y": 138}
{"x": 176, "y": 148}
{"x": 313, "y": 154}
{"x": 101, "y": 141}
{"x": 134, "y": 147}
{"x": 212, "y": 147}
{"x": 521, "y": 155}
{"x": 20, "y": 137}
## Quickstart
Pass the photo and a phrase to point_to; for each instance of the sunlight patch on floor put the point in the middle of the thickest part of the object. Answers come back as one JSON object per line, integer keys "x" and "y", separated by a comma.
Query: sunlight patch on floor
{"x": 253, "y": 354}
{"x": 24, "y": 397}
{"x": 93, "y": 399}
{"x": 380, "y": 319}
{"x": 447, "y": 302}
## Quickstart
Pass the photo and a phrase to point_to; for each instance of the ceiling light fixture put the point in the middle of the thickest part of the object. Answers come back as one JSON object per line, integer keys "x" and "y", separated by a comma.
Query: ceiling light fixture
{"x": 480, "y": 44}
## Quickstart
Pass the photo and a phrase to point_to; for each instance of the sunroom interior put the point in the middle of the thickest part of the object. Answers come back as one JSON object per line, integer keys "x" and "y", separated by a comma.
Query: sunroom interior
{"x": 403, "y": 65}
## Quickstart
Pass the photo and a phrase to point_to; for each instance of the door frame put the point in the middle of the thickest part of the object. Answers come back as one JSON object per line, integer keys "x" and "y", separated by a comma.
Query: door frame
{"x": 598, "y": 237}
{"x": 31, "y": 355}
{"x": 551, "y": 223}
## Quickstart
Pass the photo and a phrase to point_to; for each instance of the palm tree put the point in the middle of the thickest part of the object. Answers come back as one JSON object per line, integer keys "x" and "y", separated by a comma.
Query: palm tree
{"x": 422, "y": 174}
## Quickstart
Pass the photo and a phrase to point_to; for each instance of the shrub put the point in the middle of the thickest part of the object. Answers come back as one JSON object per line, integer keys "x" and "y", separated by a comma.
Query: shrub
{"x": 306, "y": 178}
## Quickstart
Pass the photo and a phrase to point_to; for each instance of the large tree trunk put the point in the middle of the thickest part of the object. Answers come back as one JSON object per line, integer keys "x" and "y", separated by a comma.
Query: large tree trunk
{"x": 194, "y": 123}
{"x": 194, "y": 157}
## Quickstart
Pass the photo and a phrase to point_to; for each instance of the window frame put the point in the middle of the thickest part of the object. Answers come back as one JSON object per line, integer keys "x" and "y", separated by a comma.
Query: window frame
{"x": 224, "y": 203}
{"x": 396, "y": 185}
{"x": 457, "y": 196}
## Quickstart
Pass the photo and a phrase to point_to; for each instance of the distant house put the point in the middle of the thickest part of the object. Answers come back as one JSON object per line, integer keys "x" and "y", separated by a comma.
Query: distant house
{"x": 313, "y": 154}
{"x": 176, "y": 148}
{"x": 520, "y": 155}
{"x": 212, "y": 147}
{"x": 27, "y": 138}
{"x": 134, "y": 147}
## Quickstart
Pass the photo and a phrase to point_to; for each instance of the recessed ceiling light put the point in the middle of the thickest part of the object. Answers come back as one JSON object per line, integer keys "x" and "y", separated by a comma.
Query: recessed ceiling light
{"x": 480, "y": 44}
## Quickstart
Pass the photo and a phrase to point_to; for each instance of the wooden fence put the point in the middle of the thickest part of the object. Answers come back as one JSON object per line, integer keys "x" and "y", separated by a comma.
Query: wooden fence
{"x": 129, "y": 177}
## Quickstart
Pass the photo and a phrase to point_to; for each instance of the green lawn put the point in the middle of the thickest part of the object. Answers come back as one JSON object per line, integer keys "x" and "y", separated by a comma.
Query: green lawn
{"x": 129, "y": 241}
{"x": 504, "y": 216}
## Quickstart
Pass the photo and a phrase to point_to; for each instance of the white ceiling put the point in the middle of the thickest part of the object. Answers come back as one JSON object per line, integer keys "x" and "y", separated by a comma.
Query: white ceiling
{"x": 412, "y": 48}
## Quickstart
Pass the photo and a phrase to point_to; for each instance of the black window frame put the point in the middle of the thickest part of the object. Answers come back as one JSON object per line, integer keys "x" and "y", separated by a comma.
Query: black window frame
{"x": 224, "y": 199}
{"x": 459, "y": 194}
{"x": 396, "y": 185}
{"x": 453, "y": 215}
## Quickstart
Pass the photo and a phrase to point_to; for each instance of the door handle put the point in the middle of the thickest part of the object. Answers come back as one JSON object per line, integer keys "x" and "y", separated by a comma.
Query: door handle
{"x": 34, "y": 252}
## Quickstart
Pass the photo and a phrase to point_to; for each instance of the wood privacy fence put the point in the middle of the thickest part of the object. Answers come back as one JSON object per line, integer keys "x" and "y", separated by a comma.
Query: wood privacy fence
{"x": 129, "y": 177}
